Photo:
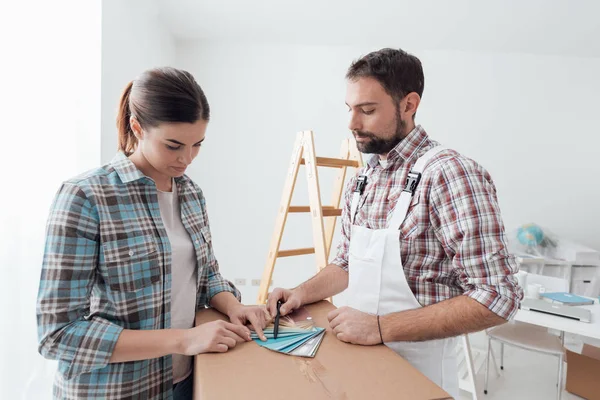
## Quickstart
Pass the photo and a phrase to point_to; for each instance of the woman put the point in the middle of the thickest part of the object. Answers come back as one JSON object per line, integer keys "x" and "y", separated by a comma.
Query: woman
{"x": 129, "y": 259}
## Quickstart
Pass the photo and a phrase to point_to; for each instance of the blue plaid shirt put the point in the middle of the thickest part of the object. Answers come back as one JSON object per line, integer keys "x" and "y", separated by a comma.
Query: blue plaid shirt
{"x": 107, "y": 267}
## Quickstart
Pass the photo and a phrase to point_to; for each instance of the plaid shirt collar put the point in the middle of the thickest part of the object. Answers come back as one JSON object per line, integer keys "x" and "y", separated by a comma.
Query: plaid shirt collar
{"x": 128, "y": 172}
{"x": 405, "y": 150}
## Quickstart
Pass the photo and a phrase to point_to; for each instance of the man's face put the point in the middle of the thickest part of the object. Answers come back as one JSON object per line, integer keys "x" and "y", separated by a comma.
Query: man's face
{"x": 375, "y": 118}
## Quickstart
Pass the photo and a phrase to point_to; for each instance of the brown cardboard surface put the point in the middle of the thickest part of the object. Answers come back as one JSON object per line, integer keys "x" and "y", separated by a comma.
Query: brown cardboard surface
{"x": 339, "y": 371}
{"x": 591, "y": 351}
{"x": 583, "y": 372}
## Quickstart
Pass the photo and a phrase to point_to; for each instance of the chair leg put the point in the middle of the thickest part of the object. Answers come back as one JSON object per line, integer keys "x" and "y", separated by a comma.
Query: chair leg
{"x": 560, "y": 377}
{"x": 487, "y": 365}
{"x": 502, "y": 356}
{"x": 496, "y": 366}
{"x": 469, "y": 363}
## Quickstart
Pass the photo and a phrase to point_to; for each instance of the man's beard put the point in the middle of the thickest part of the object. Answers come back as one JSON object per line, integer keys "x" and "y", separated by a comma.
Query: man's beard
{"x": 378, "y": 145}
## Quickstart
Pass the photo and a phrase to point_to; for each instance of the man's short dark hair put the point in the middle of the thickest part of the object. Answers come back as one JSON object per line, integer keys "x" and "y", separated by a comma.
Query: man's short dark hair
{"x": 397, "y": 71}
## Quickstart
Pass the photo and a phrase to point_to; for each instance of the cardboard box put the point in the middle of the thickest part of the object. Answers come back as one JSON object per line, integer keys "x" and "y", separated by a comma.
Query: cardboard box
{"x": 583, "y": 372}
{"x": 338, "y": 371}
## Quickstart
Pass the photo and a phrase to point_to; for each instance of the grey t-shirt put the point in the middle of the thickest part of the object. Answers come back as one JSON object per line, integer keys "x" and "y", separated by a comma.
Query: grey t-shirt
{"x": 183, "y": 275}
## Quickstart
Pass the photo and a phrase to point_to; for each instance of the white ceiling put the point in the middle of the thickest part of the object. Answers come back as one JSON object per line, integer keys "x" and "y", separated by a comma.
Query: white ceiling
{"x": 562, "y": 27}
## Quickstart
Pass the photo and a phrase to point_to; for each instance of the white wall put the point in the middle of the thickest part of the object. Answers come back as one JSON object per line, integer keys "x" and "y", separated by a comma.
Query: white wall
{"x": 530, "y": 120}
{"x": 50, "y": 80}
{"x": 133, "y": 40}
{"x": 62, "y": 56}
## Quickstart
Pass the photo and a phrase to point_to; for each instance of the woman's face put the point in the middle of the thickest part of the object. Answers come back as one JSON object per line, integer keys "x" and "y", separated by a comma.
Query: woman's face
{"x": 170, "y": 148}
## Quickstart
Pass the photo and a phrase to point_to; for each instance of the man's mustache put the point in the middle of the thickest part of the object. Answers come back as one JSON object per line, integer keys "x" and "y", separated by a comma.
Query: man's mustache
{"x": 363, "y": 134}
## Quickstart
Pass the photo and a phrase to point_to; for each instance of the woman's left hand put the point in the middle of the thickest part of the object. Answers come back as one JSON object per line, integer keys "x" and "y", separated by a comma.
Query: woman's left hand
{"x": 256, "y": 316}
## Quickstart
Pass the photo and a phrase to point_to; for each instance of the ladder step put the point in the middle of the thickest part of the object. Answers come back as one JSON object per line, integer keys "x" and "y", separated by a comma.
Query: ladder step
{"x": 334, "y": 212}
{"x": 295, "y": 252}
{"x": 328, "y": 211}
{"x": 334, "y": 162}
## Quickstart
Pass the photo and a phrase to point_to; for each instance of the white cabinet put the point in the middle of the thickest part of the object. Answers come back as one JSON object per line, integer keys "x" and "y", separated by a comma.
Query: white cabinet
{"x": 583, "y": 279}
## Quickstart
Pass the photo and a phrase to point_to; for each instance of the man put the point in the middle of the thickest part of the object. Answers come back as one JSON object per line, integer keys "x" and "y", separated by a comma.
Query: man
{"x": 423, "y": 254}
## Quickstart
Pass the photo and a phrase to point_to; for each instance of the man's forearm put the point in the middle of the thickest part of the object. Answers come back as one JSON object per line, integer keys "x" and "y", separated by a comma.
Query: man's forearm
{"x": 448, "y": 318}
{"x": 330, "y": 281}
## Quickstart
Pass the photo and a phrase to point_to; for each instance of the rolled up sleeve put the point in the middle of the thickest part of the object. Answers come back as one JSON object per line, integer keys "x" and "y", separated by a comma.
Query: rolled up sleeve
{"x": 468, "y": 223}
{"x": 66, "y": 331}
{"x": 213, "y": 282}
{"x": 218, "y": 284}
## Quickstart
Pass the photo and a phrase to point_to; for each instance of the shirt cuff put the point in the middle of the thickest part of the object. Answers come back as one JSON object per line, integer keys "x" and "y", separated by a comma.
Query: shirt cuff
{"x": 340, "y": 262}
{"x": 502, "y": 305}
{"x": 225, "y": 287}
{"x": 95, "y": 350}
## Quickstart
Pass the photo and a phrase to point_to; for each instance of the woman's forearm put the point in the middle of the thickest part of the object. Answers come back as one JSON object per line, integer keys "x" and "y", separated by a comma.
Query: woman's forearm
{"x": 224, "y": 302}
{"x": 134, "y": 345}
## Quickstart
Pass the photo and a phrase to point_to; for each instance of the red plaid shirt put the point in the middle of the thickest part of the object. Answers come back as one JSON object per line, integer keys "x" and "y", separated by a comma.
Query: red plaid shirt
{"x": 452, "y": 241}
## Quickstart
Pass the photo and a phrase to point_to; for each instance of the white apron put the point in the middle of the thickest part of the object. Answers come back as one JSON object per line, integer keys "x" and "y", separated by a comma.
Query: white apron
{"x": 377, "y": 285}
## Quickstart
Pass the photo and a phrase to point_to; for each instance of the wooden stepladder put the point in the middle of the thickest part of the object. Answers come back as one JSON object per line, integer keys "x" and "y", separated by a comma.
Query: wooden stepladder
{"x": 323, "y": 217}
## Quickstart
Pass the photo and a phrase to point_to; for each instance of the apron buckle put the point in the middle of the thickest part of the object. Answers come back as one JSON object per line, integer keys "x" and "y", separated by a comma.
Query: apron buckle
{"x": 412, "y": 181}
{"x": 361, "y": 183}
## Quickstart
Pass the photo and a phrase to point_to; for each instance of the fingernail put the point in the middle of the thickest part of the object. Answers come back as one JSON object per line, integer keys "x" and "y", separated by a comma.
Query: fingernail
{"x": 283, "y": 309}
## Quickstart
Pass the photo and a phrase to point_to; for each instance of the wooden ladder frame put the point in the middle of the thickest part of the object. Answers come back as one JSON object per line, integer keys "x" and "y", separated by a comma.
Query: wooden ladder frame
{"x": 323, "y": 217}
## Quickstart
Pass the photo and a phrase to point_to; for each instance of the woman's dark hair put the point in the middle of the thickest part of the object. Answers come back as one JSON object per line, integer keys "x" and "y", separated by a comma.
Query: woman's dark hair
{"x": 159, "y": 95}
{"x": 397, "y": 71}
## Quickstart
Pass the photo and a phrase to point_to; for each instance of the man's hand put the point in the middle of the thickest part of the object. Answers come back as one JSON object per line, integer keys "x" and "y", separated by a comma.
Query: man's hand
{"x": 291, "y": 300}
{"x": 256, "y": 316}
{"x": 353, "y": 326}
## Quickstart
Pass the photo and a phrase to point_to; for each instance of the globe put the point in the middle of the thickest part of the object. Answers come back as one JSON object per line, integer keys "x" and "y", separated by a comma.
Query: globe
{"x": 530, "y": 235}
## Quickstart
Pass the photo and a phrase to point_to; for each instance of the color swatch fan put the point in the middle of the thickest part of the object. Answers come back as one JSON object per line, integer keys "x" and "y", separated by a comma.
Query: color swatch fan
{"x": 297, "y": 335}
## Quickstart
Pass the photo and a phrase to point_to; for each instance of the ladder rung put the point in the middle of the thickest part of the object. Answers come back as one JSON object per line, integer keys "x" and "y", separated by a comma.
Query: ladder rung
{"x": 334, "y": 212}
{"x": 295, "y": 252}
{"x": 328, "y": 211}
{"x": 334, "y": 162}
{"x": 298, "y": 209}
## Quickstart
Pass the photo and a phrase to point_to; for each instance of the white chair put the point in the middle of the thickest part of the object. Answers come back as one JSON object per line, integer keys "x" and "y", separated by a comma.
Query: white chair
{"x": 470, "y": 361}
{"x": 527, "y": 336}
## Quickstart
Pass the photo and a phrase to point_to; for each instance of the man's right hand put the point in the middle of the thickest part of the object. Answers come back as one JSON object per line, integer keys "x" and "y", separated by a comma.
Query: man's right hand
{"x": 290, "y": 299}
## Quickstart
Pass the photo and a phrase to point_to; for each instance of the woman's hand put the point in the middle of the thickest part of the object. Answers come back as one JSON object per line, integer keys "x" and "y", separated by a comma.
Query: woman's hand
{"x": 256, "y": 316}
{"x": 213, "y": 337}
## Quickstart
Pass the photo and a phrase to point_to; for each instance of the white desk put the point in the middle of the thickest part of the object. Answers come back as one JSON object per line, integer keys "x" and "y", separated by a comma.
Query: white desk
{"x": 579, "y": 276}
{"x": 567, "y": 325}
{"x": 536, "y": 265}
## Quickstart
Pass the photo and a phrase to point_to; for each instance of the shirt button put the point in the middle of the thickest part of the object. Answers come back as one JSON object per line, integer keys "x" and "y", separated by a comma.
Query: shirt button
{"x": 131, "y": 252}
{"x": 197, "y": 241}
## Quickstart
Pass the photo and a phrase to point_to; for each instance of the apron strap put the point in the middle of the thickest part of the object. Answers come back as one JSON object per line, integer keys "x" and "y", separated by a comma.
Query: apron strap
{"x": 355, "y": 199}
{"x": 412, "y": 181}
{"x": 359, "y": 188}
